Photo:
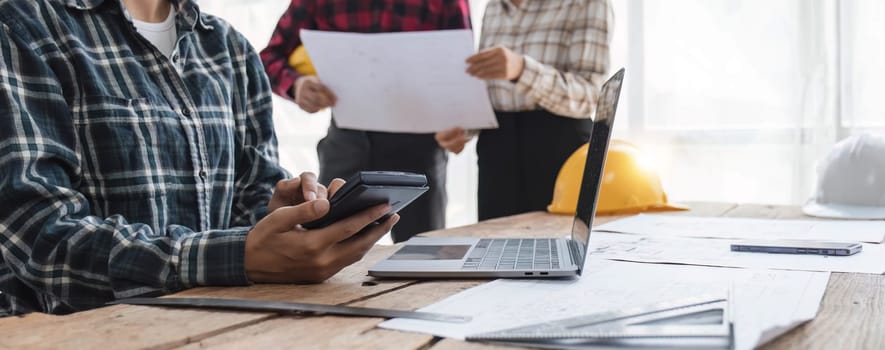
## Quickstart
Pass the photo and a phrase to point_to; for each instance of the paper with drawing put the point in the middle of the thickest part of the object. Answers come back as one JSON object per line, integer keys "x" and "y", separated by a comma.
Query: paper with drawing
{"x": 717, "y": 252}
{"x": 767, "y": 302}
{"x": 870, "y": 231}
{"x": 414, "y": 82}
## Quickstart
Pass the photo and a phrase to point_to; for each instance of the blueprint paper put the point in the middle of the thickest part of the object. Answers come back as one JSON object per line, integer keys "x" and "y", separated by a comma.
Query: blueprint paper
{"x": 870, "y": 231}
{"x": 412, "y": 82}
{"x": 717, "y": 252}
{"x": 767, "y": 303}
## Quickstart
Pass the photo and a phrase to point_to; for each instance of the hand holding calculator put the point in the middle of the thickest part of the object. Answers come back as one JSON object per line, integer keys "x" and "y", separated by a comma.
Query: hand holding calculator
{"x": 366, "y": 189}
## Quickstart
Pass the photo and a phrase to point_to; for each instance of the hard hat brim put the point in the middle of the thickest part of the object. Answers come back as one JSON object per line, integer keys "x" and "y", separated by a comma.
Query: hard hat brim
{"x": 669, "y": 207}
{"x": 653, "y": 209}
{"x": 841, "y": 211}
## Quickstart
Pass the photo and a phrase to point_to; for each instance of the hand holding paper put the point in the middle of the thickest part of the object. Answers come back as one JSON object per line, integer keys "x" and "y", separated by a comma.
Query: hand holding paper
{"x": 413, "y": 82}
{"x": 311, "y": 95}
{"x": 453, "y": 140}
{"x": 496, "y": 63}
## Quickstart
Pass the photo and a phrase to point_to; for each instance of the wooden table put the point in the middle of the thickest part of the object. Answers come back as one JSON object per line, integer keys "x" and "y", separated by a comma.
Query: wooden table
{"x": 852, "y": 315}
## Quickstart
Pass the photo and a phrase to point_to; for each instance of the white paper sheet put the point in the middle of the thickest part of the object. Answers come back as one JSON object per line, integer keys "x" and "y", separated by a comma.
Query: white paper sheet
{"x": 717, "y": 252}
{"x": 411, "y": 82}
{"x": 870, "y": 231}
{"x": 767, "y": 302}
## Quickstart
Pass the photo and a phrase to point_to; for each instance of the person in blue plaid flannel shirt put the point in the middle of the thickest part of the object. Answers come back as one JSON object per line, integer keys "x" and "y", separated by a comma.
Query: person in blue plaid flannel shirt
{"x": 138, "y": 158}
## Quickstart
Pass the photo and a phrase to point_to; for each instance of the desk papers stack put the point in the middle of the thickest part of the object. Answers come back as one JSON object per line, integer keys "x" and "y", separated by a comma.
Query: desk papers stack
{"x": 767, "y": 303}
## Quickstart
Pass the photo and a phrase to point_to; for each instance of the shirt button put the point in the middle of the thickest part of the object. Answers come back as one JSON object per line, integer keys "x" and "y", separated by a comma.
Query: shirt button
{"x": 203, "y": 174}
{"x": 186, "y": 112}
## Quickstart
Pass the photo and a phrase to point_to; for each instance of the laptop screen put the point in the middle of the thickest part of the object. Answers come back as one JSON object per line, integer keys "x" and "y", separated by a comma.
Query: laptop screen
{"x": 606, "y": 107}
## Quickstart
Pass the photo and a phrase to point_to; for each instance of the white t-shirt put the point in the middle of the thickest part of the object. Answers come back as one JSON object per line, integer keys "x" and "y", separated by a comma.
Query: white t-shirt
{"x": 163, "y": 34}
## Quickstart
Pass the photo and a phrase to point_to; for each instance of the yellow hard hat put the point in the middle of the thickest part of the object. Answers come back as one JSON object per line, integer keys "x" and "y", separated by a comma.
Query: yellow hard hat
{"x": 627, "y": 186}
{"x": 300, "y": 62}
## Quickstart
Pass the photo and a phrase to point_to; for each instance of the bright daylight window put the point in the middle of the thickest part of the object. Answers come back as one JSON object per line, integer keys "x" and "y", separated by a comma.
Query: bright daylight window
{"x": 862, "y": 70}
{"x": 734, "y": 100}
{"x": 737, "y": 100}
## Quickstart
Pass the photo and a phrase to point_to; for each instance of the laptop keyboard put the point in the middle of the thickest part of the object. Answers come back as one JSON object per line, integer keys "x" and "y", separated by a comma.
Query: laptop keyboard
{"x": 513, "y": 254}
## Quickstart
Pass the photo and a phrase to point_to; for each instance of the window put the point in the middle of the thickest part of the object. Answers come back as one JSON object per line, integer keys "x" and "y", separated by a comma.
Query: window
{"x": 735, "y": 100}
{"x": 862, "y": 71}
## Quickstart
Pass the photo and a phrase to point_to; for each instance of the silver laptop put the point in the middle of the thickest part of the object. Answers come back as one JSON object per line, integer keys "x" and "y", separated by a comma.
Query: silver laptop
{"x": 423, "y": 257}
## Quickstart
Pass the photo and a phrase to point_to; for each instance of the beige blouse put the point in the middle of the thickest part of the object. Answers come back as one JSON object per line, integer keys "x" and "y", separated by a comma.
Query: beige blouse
{"x": 566, "y": 49}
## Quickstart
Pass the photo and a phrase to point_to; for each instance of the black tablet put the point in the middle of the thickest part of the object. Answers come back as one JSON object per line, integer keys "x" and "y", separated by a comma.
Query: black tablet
{"x": 366, "y": 189}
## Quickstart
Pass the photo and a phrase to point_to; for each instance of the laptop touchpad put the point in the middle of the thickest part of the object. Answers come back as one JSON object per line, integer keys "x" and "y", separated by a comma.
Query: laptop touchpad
{"x": 431, "y": 252}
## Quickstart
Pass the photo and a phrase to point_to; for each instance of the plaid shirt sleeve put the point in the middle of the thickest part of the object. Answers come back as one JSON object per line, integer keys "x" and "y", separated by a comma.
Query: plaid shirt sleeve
{"x": 49, "y": 240}
{"x": 455, "y": 14}
{"x": 283, "y": 42}
{"x": 573, "y": 91}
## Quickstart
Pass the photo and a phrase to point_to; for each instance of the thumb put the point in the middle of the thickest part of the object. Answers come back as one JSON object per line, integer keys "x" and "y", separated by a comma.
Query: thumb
{"x": 441, "y": 136}
{"x": 286, "y": 218}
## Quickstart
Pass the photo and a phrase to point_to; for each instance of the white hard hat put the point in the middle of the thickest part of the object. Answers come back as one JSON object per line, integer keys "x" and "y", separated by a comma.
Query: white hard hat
{"x": 851, "y": 180}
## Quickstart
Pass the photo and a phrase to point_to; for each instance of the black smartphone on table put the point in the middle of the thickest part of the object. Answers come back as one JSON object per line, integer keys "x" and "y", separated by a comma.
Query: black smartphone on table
{"x": 366, "y": 189}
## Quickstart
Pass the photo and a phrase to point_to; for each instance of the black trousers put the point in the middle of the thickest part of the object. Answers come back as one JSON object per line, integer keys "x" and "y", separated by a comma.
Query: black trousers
{"x": 519, "y": 161}
{"x": 343, "y": 152}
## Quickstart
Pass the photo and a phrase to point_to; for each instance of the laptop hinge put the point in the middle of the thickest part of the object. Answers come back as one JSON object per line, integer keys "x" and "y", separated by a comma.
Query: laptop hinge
{"x": 575, "y": 254}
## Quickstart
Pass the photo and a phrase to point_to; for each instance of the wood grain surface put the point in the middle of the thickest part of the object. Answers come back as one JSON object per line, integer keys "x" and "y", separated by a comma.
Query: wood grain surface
{"x": 852, "y": 314}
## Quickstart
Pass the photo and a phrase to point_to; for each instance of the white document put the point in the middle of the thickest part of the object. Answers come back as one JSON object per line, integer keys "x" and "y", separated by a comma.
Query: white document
{"x": 767, "y": 303}
{"x": 413, "y": 82}
{"x": 870, "y": 231}
{"x": 717, "y": 252}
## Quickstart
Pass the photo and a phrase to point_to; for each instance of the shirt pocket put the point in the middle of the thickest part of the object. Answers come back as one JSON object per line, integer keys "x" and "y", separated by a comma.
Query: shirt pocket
{"x": 125, "y": 146}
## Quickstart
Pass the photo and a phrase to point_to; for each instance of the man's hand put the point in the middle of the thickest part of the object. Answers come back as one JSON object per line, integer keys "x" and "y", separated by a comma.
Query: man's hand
{"x": 279, "y": 250}
{"x": 289, "y": 192}
{"x": 453, "y": 139}
{"x": 311, "y": 95}
{"x": 305, "y": 188}
{"x": 496, "y": 63}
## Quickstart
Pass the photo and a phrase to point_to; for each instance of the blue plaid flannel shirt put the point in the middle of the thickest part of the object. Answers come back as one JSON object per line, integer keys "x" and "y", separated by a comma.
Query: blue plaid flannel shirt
{"x": 122, "y": 172}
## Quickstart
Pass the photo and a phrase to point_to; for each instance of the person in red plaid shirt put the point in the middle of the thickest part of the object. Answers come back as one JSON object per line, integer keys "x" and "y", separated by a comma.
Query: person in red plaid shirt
{"x": 345, "y": 151}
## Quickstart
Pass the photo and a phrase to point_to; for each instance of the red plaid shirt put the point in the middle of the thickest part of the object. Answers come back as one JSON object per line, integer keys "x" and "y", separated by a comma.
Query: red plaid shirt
{"x": 359, "y": 16}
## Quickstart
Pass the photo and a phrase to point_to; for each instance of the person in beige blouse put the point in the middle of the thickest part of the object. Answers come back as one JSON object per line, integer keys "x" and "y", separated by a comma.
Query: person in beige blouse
{"x": 544, "y": 62}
